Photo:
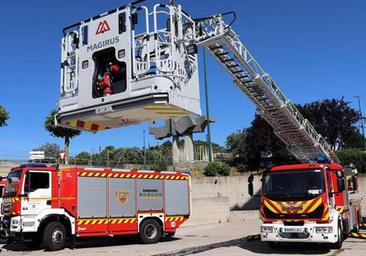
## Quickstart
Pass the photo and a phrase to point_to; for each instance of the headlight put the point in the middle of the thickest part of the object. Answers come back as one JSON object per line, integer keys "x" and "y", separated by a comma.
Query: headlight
{"x": 323, "y": 230}
{"x": 266, "y": 229}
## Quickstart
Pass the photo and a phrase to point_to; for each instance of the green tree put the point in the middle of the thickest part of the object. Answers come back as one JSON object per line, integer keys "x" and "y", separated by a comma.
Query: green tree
{"x": 354, "y": 140}
{"x": 334, "y": 119}
{"x": 4, "y": 116}
{"x": 51, "y": 150}
{"x": 60, "y": 132}
{"x": 248, "y": 146}
{"x": 354, "y": 156}
{"x": 83, "y": 158}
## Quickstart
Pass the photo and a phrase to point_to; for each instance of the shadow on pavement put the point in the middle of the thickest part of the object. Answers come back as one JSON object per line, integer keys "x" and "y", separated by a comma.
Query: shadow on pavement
{"x": 254, "y": 247}
{"x": 85, "y": 243}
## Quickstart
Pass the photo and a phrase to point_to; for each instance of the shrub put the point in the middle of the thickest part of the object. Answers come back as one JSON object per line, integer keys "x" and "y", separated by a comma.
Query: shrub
{"x": 158, "y": 167}
{"x": 213, "y": 169}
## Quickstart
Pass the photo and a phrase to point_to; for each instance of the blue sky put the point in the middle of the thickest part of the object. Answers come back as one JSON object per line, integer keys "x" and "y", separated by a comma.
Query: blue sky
{"x": 314, "y": 49}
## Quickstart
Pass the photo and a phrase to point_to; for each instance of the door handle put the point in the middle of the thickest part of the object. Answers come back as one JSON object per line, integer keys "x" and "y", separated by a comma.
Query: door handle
{"x": 48, "y": 202}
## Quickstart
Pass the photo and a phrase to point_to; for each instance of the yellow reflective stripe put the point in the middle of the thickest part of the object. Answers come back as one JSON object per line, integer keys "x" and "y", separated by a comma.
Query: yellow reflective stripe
{"x": 316, "y": 205}
{"x": 306, "y": 205}
{"x": 73, "y": 123}
{"x": 83, "y": 174}
{"x": 103, "y": 175}
{"x": 270, "y": 207}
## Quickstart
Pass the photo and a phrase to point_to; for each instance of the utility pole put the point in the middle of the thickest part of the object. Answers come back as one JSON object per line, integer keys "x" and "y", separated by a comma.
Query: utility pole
{"x": 144, "y": 147}
{"x": 210, "y": 154}
{"x": 361, "y": 119}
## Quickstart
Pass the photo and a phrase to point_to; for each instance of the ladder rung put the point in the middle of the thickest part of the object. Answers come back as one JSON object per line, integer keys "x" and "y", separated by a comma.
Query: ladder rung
{"x": 241, "y": 77}
{"x": 222, "y": 54}
{"x": 233, "y": 66}
{"x": 213, "y": 48}
{"x": 228, "y": 60}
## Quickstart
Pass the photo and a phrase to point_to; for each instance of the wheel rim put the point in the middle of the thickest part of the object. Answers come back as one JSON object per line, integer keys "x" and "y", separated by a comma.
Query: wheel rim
{"x": 150, "y": 231}
{"x": 57, "y": 236}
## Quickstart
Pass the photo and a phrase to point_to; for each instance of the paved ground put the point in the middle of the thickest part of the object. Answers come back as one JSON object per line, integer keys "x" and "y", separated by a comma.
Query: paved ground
{"x": 221, "y": 239}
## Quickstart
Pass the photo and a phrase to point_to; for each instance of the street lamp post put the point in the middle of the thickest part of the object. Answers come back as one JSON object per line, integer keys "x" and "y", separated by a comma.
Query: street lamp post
{"x": 210, "y": 153}
{"x": 361, "y": 119}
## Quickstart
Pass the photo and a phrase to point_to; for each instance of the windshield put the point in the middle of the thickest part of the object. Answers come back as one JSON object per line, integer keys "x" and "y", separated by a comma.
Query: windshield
{"x": 11, "y": 187}
{"x": 293, "y": 185}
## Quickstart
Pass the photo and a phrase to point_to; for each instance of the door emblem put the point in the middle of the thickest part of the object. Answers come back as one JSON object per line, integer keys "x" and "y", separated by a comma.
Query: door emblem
{"x": 122, "y": 196}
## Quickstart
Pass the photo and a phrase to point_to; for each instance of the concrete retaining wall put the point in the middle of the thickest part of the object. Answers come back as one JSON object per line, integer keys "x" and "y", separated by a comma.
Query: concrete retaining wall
{"x": 235, "y": 188}
{"x": 209, "y": 210}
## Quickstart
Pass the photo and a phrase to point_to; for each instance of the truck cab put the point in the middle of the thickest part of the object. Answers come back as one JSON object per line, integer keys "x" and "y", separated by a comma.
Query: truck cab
{"x": 28, "y": 192}
{"x": 307, "y": 203}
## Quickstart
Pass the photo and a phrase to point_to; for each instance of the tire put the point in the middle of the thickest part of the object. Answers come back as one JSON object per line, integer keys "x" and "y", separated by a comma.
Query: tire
{"x": 150, "y": 231}
{"x": 54, "y": 236}
{"x": 339, "y": 243}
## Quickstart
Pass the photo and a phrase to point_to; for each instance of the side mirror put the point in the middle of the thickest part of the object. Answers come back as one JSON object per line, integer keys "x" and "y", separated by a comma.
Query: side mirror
{"x": 340, "y": 184}
{"x": 250, "y": 189}
{"x": 250, "y": 185}
{"x": 1, "y": 178}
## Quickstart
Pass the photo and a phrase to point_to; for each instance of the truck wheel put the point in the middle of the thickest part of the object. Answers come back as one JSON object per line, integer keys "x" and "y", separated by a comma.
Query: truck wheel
{"x": 150, "y": 231}
{"x": 54, "y": 236}
{"x": 339, "y": 243}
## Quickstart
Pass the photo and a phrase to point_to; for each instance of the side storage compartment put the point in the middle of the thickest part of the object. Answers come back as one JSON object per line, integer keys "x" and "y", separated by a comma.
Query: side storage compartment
{"x": 150, "y": 195}
{"x": 122, "y": 205}
{"x": 92, "y": 205}
{"x": 177, "y": 204}
{"x": 177, "y": 201}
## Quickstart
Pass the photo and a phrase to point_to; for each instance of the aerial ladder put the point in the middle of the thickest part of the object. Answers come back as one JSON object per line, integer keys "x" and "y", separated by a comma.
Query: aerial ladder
{"x": 156, "y": 74}
{"x": 296, "y": 132}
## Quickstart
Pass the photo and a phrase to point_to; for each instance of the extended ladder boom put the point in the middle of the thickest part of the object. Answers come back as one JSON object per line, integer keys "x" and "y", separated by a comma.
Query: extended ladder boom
{"x": 289, "y": 125}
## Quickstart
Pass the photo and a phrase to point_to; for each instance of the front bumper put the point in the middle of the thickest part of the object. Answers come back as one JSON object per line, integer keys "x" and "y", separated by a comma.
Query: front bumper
{"x": 309, "y": 232}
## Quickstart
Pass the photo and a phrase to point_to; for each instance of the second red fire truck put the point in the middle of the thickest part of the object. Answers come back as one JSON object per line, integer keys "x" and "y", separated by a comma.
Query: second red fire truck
{"x": 47, "y": 205}
{"x": 308, "y": 203}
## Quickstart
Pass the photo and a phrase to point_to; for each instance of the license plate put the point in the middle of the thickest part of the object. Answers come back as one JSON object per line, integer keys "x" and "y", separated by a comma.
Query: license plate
{"x": 293, "y": 230}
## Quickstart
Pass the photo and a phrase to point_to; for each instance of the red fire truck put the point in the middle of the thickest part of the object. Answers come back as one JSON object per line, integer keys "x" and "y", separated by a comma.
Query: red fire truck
{"x": 308, "y": 203}
{"x": 48, "y": 205}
